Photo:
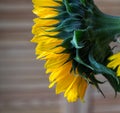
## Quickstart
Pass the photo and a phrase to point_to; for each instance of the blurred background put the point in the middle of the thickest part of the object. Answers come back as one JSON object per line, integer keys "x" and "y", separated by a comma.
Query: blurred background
{"x": 23, "y": 82}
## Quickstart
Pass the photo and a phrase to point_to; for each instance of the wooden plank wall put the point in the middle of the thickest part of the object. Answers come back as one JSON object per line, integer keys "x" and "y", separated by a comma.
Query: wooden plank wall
{"x": 23, "y": 82}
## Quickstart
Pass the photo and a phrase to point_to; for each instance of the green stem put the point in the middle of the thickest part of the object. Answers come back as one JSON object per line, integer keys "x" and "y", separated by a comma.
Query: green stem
{"x": 105, "y": 17}
{"x": 104, "y": 23}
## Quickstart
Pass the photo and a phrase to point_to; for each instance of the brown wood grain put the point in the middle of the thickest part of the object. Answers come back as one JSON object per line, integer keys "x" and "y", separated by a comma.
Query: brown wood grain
{"x": 23, "y": 82}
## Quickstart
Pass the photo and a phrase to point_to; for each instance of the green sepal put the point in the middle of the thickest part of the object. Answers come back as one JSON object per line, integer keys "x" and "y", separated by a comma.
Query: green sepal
{"x": 83, "y": 2}
{"x": 76, "y": 41}
{"x": 79, "y": 60}
{"x": 68, "y": 8}
{"x": 66, "y": 43}
{"x": 94, "y": 80}
{"x": 74, "y": 66}
{"x": 107, "y": 73}
{"x": 67, "y": 25}
{"x": 83, "y": 75}
{"x": 118, "y": 88}
{"x": 99, "y": 68}
{"x": 96, "y": 83}
{"x": 63, "y": 35}
{"x": 113, "y": 82}
{"x": 61, "y": 16}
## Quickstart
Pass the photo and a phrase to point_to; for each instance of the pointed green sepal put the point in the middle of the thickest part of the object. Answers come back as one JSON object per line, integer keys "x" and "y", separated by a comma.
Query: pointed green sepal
{"x": 76, "y": 41}
{"x": 83, "y": 2}
{"x": 107, "y": 73}
{"x": 79, "y": 60}
{"x": 68, "y": 8}
{"x": 66, "y": 43}
{"x": 99, "y": 68}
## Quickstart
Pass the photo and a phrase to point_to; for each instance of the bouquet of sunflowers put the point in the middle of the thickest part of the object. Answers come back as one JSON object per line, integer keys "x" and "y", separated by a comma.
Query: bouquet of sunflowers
{"x": 74, "y": 38}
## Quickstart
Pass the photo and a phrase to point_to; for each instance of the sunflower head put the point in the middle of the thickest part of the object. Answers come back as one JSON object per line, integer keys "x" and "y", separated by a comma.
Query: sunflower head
{"x": 72, "y": 36}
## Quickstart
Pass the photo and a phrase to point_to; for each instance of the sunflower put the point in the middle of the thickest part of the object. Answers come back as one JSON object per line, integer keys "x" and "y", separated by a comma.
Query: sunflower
{"x": 115, "y": 62}
{"x": 72, "y": 37}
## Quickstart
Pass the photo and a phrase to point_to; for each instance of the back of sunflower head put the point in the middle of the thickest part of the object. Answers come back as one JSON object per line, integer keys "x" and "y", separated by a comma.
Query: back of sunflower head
{"x": 73, "y": 37}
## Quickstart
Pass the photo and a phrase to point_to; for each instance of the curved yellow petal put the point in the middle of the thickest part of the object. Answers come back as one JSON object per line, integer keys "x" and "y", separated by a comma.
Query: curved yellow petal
{"x": 115, "y": 62}
{"x": 82, "y": 89}
{"x": 117, "y": 55}
{"x": 45, "y": 3}
{"x": 118, "y": 71}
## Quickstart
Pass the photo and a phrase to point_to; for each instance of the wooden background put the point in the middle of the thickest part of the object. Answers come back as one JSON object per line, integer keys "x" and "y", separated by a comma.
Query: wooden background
{"x": 23, "y": 83}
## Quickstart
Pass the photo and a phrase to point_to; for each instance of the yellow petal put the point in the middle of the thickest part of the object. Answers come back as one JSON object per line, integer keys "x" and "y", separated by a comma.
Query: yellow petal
{"x": 118, "y": 71}
{"x": 82, "y": 89}
{"x": 115, "y": 63}
{"x": 64, "y": 83}
{"x": 45, "y": 12}
{"x": 45, "y": 2}
{"x": 71, "y": 93}
{"x": 114, "y": 56}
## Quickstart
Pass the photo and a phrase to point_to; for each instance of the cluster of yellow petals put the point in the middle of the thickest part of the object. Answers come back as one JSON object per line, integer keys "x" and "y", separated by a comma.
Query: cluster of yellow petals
{"x": 72, "y": 85}
{"x": 115, "y": 62}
